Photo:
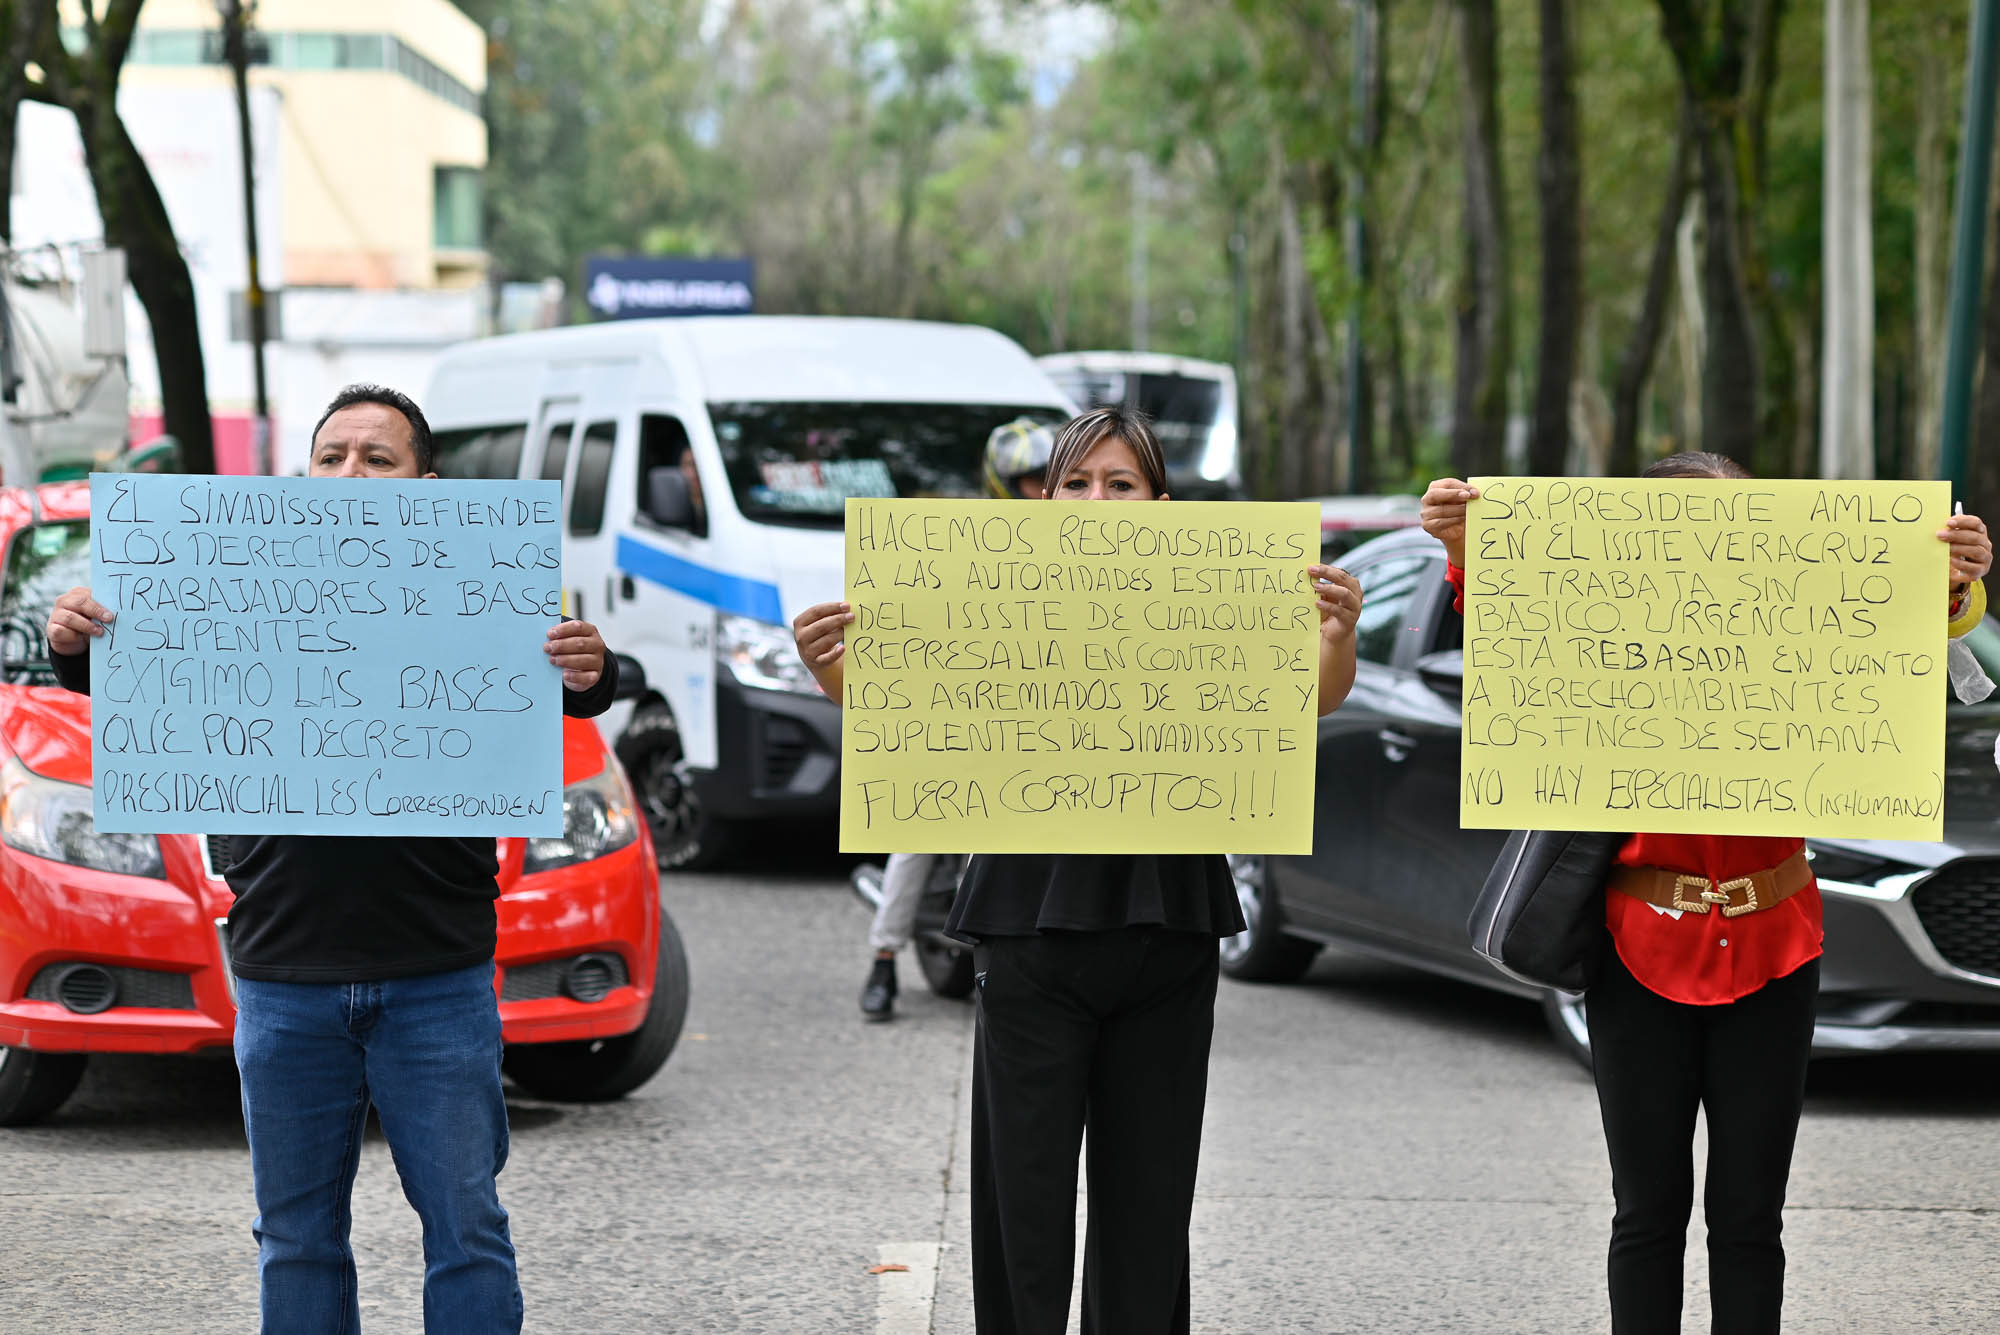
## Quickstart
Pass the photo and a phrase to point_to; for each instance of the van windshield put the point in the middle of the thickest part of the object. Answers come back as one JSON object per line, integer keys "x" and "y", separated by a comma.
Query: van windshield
{"x": 798, "y": 463}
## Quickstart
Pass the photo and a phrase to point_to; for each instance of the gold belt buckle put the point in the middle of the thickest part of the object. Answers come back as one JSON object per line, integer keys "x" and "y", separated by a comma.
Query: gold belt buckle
{"x": 1710, "y": 893}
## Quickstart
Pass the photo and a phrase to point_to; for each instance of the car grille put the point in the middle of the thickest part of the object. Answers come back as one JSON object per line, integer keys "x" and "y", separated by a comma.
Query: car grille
{"x": 539, "y": 981}
{"x": 1960, "y": 911}
{"x": 154, "y": 989}
{"x": 785, "y": 745}
{"x": 217, "y": 846}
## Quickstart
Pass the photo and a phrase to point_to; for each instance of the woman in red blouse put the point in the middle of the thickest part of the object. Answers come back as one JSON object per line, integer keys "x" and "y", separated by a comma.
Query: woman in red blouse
{"x": 1706, "y": 1000}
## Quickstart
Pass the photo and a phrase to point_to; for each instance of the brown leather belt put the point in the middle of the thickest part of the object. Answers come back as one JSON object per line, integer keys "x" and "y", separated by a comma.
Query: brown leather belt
{"x": 1697, "y": 894}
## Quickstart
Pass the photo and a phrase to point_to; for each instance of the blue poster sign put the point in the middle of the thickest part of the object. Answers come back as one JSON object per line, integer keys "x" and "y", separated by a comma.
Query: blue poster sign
{"x": 636, "y": 287}
{"x": 325, "y": 656}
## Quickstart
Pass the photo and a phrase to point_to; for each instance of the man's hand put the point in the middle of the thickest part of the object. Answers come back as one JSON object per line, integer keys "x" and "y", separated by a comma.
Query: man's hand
{"x": 576, "y": 648}
{"x": 1443, "y": 512}
{"x": 76, "y": 618}
{"x": 1339, "y": 601}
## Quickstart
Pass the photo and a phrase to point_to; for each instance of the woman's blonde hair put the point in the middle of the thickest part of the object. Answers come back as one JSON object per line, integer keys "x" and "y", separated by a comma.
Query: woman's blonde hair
{"x": 1081, "y": 434}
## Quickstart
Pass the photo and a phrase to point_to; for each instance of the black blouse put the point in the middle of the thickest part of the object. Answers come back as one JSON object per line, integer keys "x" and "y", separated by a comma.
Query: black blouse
{"x": 1020, "y": 894}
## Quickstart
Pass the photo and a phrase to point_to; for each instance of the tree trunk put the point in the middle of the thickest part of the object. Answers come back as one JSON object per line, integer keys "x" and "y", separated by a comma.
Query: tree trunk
{"x": 1635, "y": 365}
{"x": 1560, "y": 177}
{"x": 1933, "y": 224}
{"x": 1713, "y": 81}
{"x": 1295, "y": 425}
{"x": 1982, "y": 480}
{"x": 1847, "y": 266}
{"x": 1479, "y": 400}
{"x": 135, "y": 218}
{"x": 21, "y": 23}
{"x": 1729, "y": 366}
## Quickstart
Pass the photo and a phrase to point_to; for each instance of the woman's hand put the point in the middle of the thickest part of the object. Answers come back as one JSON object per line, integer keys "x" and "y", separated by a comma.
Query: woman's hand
{"x": 819, "y": 634}
{"x": 1443, "y": 514}
{"x": 1337, "y": 594}
{"x": 74, "y": 619}
{"x": 1339, "y": 602}
{"x": 1971, "y": 549}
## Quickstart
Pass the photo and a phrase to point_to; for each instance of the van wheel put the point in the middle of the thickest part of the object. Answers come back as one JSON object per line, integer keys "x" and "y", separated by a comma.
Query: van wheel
{"x": 684, "y": 836}
{"x": 34, "y": 1084}
{"x": 947, "y": 968}
{"x": 598, "y": 1070}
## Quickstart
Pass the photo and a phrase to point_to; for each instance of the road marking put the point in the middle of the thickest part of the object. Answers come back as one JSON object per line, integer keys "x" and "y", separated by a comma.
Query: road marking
{"x": 903, "y": 1299}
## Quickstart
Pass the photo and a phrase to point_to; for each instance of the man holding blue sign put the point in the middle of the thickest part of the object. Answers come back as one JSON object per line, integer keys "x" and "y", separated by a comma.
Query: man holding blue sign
{"x": 364, "y": 971}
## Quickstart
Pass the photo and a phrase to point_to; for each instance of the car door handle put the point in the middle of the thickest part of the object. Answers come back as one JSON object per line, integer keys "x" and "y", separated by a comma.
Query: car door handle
{"x": 1395, "y": 745}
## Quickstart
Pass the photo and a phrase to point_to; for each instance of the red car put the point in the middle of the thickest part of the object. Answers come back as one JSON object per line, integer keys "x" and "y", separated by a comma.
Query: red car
{"x": 115, "y": 942}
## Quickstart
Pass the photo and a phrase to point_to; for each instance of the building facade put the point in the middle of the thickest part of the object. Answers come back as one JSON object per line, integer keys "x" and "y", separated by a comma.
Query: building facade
{"x": 369, "y": 148}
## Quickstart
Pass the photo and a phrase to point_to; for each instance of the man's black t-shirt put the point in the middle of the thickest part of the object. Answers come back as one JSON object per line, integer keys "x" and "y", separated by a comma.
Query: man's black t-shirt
{"x": 356, "y": 908}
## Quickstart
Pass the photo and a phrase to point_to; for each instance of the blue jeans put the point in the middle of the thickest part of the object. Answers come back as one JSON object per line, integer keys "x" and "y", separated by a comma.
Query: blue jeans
{"x": 426, "y": 1052}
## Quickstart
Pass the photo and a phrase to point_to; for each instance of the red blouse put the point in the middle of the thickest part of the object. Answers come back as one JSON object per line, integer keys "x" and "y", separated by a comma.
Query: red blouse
{"x": 1705, "y": 959}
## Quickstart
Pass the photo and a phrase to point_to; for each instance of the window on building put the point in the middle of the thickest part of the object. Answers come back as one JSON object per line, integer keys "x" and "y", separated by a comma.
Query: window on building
{"x": 457, "y": 204}
{"x": 593, "y": 479}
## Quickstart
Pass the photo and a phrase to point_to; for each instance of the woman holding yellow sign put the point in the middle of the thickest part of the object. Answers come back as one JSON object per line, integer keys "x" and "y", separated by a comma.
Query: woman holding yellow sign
{"x": 1705, "y": 1000}
{"x": 1096, "y": 1004}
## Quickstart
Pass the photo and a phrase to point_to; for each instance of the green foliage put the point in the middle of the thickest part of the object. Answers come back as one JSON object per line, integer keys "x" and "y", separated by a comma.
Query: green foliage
{"x": 925, "y": 157}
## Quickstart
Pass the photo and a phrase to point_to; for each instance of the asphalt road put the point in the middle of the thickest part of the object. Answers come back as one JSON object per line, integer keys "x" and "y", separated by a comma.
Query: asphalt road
{"x": 1385, "y": 1153}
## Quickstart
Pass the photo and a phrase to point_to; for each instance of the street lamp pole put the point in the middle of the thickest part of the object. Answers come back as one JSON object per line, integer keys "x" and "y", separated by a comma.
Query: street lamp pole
{"x": 1968, "y": 254}
{"x": 236, "y": 52}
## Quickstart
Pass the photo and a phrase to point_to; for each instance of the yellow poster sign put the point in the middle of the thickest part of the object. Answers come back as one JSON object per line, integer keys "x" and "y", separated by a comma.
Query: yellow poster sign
{"x": 1706, "y": 657}
{"x": 1092, "y": 677}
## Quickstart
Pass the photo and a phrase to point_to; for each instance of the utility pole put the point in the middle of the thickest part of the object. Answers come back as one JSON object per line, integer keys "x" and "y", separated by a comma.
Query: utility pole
{"x": 1968, "y": 252}
{"x": 1847, "y": 371}
{"x": 236, "y": 17}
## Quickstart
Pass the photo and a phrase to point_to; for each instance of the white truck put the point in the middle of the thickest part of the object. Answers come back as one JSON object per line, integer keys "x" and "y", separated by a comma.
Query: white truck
{"x": 706, "y": 465}
{"x": 64, "y": 396}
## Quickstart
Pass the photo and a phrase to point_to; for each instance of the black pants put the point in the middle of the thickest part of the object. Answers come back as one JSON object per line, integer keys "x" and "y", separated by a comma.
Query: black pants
{"x": 1108, "y": 1030}
{"x": 1745, "y": 1064}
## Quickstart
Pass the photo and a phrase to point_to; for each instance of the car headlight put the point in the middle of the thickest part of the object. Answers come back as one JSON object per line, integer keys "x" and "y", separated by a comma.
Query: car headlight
{"x": 52, "y": 820}
{"x": 758, "y": 653}
{"x": 598, "y": 818}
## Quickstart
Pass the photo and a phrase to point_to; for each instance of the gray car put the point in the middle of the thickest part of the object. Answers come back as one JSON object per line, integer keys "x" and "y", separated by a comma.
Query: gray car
{"x": 1912, "y": 929}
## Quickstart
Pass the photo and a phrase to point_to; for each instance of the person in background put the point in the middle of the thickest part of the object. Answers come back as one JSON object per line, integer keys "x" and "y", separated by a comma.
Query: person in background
{"x": 1705, "y": 1001}
{"x": 1095, "y": 1004}
{"x": 364, "y": 977}
{"x": 1017, "y": 457}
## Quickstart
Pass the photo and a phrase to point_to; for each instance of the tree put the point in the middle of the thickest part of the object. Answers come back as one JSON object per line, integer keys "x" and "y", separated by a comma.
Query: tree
{"x": 1485, "y": 303}
{"x": 135, "y": 217}
{"x": 1711, "y": 46}
{"x": 1561, "y": 306}
{"x": 20, "y": 35}
{"x": 1635, "y": 364}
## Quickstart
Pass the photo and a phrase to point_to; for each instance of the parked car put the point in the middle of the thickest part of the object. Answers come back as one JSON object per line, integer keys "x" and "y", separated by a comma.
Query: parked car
{"x": 706, "y": 466}
{"x": 114, "y": 942}
{"x": 1912, "y": 929}
{"x": 1345, "y": 522}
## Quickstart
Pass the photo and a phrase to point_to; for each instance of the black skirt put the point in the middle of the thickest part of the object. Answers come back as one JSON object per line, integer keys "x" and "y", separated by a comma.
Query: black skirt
{"x": 1020, "y": 894}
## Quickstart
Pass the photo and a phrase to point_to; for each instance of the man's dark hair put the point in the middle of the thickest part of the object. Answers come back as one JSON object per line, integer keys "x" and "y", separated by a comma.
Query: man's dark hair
{"x": 420, "y": 430}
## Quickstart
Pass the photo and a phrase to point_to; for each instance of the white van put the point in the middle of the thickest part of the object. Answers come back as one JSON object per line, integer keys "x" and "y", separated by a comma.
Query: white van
{"x": 1192, "y": 404}
{"x": 706, "y": 464}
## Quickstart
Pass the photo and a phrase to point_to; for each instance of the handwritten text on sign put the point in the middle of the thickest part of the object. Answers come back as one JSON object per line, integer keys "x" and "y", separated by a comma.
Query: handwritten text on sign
{"x": 1705, "y": 656}
{"x": 1111, "y": 677}
{"x": 326, "y": 656}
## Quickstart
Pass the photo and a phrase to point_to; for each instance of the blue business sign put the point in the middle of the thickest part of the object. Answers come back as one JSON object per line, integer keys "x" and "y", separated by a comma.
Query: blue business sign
{"x": 632, "y": 287}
